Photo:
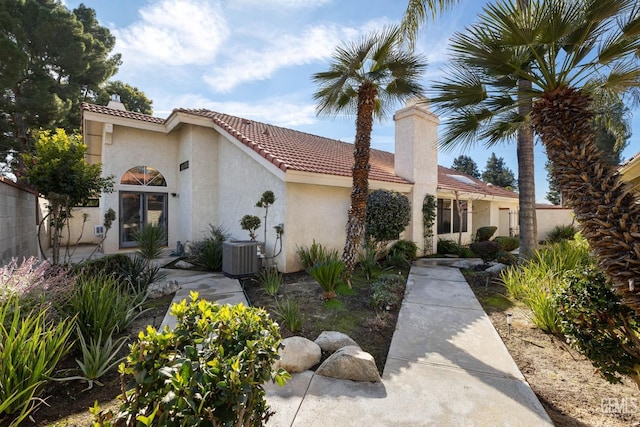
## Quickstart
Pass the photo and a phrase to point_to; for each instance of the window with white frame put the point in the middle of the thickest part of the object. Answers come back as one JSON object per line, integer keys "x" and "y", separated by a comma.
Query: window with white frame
{"x": 452, "y": 216}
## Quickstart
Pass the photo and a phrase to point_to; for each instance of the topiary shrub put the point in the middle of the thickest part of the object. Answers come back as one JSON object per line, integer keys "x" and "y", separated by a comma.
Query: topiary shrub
{"x": 485, "y": 233}
{"x": 388, "y": 214}
{"x": 250, "y": 223}
{"x": 209, "y": 370}
{"x": 508, "y": 243}
{"x": 599, "y": 325}
{"x": 487, "y": 250}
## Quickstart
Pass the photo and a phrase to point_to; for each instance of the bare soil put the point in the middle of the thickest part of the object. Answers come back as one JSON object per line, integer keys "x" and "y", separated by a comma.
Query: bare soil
{"x": 569, "y": 388}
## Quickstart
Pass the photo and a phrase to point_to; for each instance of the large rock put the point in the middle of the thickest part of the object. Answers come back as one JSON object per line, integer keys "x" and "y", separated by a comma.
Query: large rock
{"x": 350, "y": 363}
{"x": 298, "y": 355}
{"x": 496, "y": 268}
{"x": 160, "y": 289}
{"x": 331, "y": 341}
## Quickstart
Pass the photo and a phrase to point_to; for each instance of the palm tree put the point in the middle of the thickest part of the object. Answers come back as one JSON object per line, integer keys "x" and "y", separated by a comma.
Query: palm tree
{"x": 418, "y": 12}
{"x": 366, "y": 78}
{"x": 567, "y": 50}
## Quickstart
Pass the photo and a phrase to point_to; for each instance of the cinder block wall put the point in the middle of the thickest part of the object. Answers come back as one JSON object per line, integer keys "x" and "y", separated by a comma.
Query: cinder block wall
{"x": 18, "y": 222}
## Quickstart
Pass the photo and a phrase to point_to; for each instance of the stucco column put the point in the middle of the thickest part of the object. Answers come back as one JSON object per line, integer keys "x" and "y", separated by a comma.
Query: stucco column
{"x": 416, "y": 159}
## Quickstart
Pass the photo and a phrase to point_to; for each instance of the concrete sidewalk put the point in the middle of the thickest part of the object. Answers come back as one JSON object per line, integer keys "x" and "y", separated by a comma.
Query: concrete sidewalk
{"x": 447, "y": 366}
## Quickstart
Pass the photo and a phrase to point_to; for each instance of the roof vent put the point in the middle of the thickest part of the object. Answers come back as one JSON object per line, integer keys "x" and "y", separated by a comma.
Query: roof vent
{"x": 115, "y": 103}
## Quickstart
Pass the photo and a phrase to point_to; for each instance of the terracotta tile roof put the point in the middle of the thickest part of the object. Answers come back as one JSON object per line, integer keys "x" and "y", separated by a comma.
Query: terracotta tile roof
{"x": 101, "y": 109}
{"x": 289, "y": 149}
{"x": 449, "y": 179}
{"x": 293, "y": 150}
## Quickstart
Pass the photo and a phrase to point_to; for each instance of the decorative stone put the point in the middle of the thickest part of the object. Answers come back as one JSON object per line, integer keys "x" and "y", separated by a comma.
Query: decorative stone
{"x": 350, "y": 363}
{"x": 160, "y": 289}
{"x": 496, "y": 268}
{"x": 331, "y": 341}
{"x": 298, "y": 355}
{"x": 183, "y": 264}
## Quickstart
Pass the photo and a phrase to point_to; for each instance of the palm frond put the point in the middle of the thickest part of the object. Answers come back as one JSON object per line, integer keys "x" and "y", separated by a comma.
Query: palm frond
{"x": 419, "y": 12}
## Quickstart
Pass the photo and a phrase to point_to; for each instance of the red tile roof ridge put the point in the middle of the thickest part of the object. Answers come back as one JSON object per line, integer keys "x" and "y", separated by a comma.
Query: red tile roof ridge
{"x": 447, "y": 181}
{"x": 102, "y": 109}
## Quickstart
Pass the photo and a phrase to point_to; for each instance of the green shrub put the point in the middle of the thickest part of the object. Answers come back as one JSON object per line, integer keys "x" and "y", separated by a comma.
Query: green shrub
{"x": 599, "y": 325}
{"x": 289, "y": 311}
{"x": 316, "y": 253}
{"x": 98, "y": 356}
{"x": 106, "y": 265}
{"x": 447, "y": 247}
{"x": 465, "y": 252}
{"x": 560, "y": 233}
{"x": 102, "y": 305}
{"x": 209, "y": 370}
{"x": 485, "y": 233}
{"x": 207, "y": 254}
{"x": 368, "y": 258}
{"x": 407, "y": 248}
{"x": 508, "y": 243}
{"x": 327, "y": 274}
{"x": 150, "y": 239}
{"x": 270, "y": 280}
{"x": 135, "y": 275}
{"x": 388, "y": 214}
{"x": 250, "y": 223}
{"x": 487, "y": 250}
{"x": 506, "y": 258}
{"x": 30, "y": 348}
{"x": 537, "y": 281}
{"x": 387, "y": 292}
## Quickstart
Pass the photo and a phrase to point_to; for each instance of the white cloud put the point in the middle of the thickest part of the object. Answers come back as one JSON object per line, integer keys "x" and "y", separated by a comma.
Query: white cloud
{"x": 316, "y": 44}
{"x": 174, "y": 32}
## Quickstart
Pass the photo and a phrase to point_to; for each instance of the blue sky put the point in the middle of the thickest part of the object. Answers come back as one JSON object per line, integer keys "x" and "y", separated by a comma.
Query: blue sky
{"x": 255, "y": 58}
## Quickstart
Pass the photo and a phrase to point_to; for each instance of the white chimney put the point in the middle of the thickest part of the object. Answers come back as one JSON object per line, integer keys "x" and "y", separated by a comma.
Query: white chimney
{"x": 115, "y": 104}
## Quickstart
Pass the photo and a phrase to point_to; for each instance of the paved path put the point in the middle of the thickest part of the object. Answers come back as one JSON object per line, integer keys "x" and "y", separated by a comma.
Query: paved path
{"x": 447, "y": 366}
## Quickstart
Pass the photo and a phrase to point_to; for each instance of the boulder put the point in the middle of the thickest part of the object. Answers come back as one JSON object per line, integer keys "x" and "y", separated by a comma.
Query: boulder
{"x": 496, "y": 268}
{"x": 184, "y": 264}
{"x": 331, "y": 341}
{"x": 350, "y": 363}
{"x": 160, "y": 289}
{"x": 298, "y": 355}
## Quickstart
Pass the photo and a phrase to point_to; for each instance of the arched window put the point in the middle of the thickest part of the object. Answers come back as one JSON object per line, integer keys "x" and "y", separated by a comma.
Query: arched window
{"x": 145, "y": 176}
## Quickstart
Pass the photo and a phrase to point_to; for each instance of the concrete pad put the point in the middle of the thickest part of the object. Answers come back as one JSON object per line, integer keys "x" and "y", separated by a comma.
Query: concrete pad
{"x": 460, "y": 338}
{"x": 285, "y": 401}
{"x": 440, "y": 292}
{"x": 427, "y": 395}
{"x": 335, "y": 402}
{"x": 438, "y": 273}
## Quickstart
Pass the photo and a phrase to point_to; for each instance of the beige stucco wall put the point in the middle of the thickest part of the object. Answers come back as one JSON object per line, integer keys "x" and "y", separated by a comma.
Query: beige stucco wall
{"x": 76, "y": 229}
{"x": 18, "y": 222}
{"x": 551, "y": 217}
{"x": 493, "y": 212}
{"x": 135, "y": 147}
{"x": 631, "y": 172}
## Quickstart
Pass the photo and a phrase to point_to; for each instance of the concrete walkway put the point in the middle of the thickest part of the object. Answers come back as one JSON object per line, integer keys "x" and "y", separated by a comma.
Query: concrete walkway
{"x": 447, "y": 366}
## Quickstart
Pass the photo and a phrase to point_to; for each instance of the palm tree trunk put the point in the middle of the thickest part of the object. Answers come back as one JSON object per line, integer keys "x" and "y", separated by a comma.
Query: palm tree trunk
{"x": 526, "y": 172}
{"x": 604, "y": 205}
{"x": 360, "y": 189}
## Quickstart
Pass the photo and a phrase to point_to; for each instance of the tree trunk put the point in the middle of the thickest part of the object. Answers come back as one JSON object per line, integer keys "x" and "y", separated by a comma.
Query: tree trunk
{"x": 360, "y": 189}
{"x": 606, "y": 207}
{"x": 526, "y": 173}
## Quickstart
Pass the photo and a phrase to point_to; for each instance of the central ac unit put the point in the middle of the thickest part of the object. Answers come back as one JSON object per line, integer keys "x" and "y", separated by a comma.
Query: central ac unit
{"x": 241, "y": 258}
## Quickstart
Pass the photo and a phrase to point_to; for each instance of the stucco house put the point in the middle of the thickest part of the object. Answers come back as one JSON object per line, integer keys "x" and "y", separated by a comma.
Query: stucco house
{"x": 630, "y": 171}
{"x": 200, "y": 167}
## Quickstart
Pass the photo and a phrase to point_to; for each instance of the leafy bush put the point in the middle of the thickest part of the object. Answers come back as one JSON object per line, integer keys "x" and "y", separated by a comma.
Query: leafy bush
{"x": 537, "y": 281}
{"x": 209, "y": 370}
{"x": 487, "y": 250}
{"x": 561, "y": 232}
{"x": 327, "y": 274}
{"x": 271, "y": 280}
{"x": 30, "y": 348}
{"x": 599, "y": 325}
{"x": 465, "y": 252}
{"x": 485, "y": 233}
{"x": 105, "y": 265}
{"x": 207, "y": 253}
{"x": 289, "y": 312}
{"x": 508, "y": 243}
{"x": 316, "y": 253}
{"x": 406, "y": 248}
{"x": 387, "y": 292}
{"x": 368, "y": 258}
{"x": 136, "y": 275}
{"x": 506, "y": 258}
{"x": 102, "y": 305}
{"x": 388, "y": 214}
{"x": 447, "y": 247}
{"x": 250, "y": 223}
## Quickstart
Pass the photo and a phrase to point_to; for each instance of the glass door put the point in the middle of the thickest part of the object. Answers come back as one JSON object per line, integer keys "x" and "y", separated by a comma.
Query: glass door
{"x": 137, "y": 209}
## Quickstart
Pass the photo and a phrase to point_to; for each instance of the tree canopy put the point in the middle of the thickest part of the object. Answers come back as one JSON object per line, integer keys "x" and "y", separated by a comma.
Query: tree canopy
{"x": 497, "y": 173}
{"x": 52, "y": 60}
{"x": 133, "y": 98}
{"x": 466, "y": 165}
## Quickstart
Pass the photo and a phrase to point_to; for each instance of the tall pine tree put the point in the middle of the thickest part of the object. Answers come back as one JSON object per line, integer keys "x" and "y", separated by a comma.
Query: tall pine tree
{"x": 497, "y": 173}
{"x": 466, "y": 165}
